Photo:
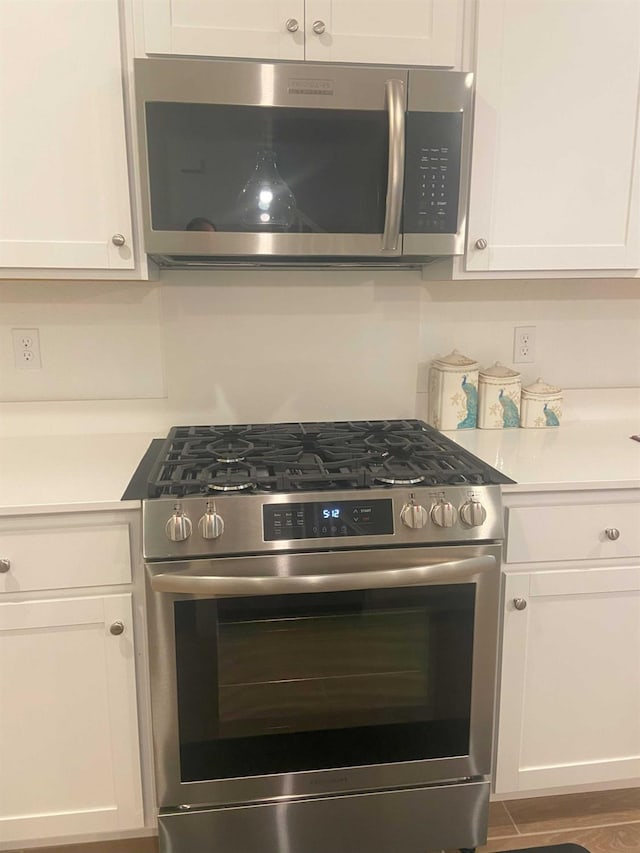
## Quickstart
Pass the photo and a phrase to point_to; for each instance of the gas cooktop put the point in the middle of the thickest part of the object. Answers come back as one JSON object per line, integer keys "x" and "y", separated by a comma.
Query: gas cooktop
{"x": 305, "y": 457}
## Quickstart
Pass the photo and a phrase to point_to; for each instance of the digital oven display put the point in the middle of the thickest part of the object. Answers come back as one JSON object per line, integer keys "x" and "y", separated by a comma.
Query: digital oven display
{"x": 319, "y": 520}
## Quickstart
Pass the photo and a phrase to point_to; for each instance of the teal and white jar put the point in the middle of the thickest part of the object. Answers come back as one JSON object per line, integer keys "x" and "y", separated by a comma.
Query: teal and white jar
{"x": 453, "y": 392}
{"x": 499, "y": 390}
{"x": 541, "y": 406}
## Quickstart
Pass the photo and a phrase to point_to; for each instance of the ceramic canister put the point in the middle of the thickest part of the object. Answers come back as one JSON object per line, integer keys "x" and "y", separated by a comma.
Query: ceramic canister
{"x": 453, "y": 392}
{"x": 498, "y": 397}
{"x": 541, "y": 405}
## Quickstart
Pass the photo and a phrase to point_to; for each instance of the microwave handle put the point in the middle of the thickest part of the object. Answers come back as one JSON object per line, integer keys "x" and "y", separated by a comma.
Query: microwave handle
{"x": 218, "y": 587}
{"x": 395, "y": 100}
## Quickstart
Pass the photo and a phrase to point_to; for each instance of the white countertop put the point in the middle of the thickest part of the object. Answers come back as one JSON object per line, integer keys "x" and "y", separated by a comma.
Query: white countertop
{"x": 68, "y": 472}
{"x": 596, "y": 454}
{"x": 590, "y": 449}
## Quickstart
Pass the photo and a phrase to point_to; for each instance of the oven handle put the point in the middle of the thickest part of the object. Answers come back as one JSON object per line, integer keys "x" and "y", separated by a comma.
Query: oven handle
{"x": 394, "y": 98}
{"x": 222, "y": 587}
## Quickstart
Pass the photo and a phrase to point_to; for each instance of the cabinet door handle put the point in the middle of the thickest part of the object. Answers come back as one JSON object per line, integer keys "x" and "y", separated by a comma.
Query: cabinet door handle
{"x": 319, "y": 27}
{"x": 612, "y": 533}
{"x": 520, "y": 603}
{"x": 118, "y": 240}
{"x": 5, "y": 565}
{"x": 292, "y": 25}
{"x": 481, "y": 243}
{"x": 117, "y": 628}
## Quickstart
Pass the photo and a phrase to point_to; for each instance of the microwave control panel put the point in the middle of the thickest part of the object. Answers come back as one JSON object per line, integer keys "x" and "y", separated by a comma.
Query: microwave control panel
{"x": 315, "y": 520}
{"x": 432, "y": 169}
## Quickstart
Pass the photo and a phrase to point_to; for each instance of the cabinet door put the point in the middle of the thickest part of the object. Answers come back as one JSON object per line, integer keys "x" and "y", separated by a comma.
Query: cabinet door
{"x": 570, "y": 684}
{"x": 63, "y": 160}
{"x": 68, "y": 725}
{"x": 264, "y": 29}
{"x": 401, "y": 32}
{"x": 556, "y": 151}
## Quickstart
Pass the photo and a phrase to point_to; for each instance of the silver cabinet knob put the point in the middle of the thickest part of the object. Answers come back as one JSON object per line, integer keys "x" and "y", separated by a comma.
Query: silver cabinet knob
{"x": 179, "y": 527}
{"x": 443, "y": 514}
{"x": 481, "y": 243}
{"x": 612, "y": 533}
{"x": 292, "y": 25}
{"x": 211, "y": 525}
{"x": 116, "y": 628}
{"x": 520, "y": 603}
{"x": 318, "y": 27}
{"x": 473, "y": 514}
{"x": 413, "y": 515}
{"x": 5, "y": 565}
{"x": 118, "y": 240}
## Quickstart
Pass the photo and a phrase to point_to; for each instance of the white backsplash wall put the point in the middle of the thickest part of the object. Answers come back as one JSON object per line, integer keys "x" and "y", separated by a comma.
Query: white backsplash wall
{"x": 224, "y": 346}
{"x": 98, "y": 341}
{"x": 587, "y": 331}
{"x": 274, "y": 346}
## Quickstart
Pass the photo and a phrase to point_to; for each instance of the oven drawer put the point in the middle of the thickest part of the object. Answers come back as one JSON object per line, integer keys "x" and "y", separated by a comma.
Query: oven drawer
{"x": 572, "y": 532}
{"x": 54, "y": 552}
{"x": 402, "y": 821}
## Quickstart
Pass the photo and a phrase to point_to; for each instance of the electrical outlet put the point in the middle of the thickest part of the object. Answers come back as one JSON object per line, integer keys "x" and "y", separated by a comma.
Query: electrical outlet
{"x": 26, "y": 349}
{"x": 524, "y": 344}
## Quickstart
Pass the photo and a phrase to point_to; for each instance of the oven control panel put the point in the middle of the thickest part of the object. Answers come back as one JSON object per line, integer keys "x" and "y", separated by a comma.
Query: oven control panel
{"x": 327, "y": 519}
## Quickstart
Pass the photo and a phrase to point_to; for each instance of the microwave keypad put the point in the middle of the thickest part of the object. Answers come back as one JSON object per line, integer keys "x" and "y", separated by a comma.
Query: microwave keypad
{"x": 434, "y": 164}
{"x": 433, "y": 173}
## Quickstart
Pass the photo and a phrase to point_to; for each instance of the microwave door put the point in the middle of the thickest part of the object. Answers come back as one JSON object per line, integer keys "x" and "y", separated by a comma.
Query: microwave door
{"x": 311, "y": 168}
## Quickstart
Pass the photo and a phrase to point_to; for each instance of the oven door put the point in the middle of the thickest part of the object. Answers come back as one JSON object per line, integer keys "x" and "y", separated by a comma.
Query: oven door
{"x": 306, "y": 674}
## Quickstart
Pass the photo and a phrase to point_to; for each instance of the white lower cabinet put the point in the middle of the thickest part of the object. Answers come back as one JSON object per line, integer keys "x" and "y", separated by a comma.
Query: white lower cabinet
{"x": 70, "y": 761}
{"x": 569, "y": 706}
{"x": 68, "y": 725}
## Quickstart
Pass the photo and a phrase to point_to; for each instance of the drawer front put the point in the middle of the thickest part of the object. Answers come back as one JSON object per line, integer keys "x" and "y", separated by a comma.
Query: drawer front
{"x": 65, "y": 557}
{"x": 549, "y": 533}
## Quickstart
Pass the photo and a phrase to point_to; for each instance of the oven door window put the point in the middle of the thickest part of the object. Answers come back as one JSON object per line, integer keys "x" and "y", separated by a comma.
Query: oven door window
{"x": 251, "y": 169}
{"x": 278, "y": 684}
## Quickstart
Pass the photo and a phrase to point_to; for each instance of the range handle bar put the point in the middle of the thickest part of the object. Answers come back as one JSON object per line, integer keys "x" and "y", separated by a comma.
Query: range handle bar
{"x": 222, "y": 587}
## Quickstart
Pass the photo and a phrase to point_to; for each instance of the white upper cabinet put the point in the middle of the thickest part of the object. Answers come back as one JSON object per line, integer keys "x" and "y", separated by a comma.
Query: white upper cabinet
{"x": 401, "y": 32}
{"x": 556, "y": 167}
{"x": 272, "y": 29}
{"x": 63, "y": 158}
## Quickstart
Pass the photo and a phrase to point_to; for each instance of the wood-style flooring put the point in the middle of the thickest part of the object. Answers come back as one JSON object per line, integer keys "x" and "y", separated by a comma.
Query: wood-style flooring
{"x": 604, "y": 822}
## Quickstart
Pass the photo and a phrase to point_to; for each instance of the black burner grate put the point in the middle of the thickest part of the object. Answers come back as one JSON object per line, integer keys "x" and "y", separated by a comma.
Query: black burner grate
{"x": 299, "y": 457}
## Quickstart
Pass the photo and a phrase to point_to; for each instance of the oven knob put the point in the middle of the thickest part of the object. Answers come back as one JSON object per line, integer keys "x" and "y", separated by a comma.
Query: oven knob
{"x": 413, "y": 515}
{"x": 178, "y": 527}
{"x": 443, "y": 514}
{"x": 211, "y": 525}
{"x": 473, "y": 514}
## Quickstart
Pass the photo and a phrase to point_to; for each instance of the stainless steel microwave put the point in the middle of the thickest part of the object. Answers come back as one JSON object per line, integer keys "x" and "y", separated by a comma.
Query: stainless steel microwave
{"x": 252, "y": 163}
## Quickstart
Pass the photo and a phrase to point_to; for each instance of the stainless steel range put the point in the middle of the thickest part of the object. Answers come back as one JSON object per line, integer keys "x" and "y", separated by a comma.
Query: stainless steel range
{"x": 322, "y": 613}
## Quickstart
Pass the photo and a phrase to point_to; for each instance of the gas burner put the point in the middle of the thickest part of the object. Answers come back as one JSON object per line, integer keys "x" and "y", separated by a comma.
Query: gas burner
{"x": 229, "y": 487}
{"x": 230, "y": 451}
{"x": 397, "y": 481}
{"x": 299, "y": 457}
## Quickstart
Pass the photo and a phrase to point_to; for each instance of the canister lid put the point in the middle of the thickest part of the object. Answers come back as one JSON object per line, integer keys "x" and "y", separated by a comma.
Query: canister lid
{"x": 456, "y": 361}
{"x": 499, "y": 371}
{"x": 540, "y": 388}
